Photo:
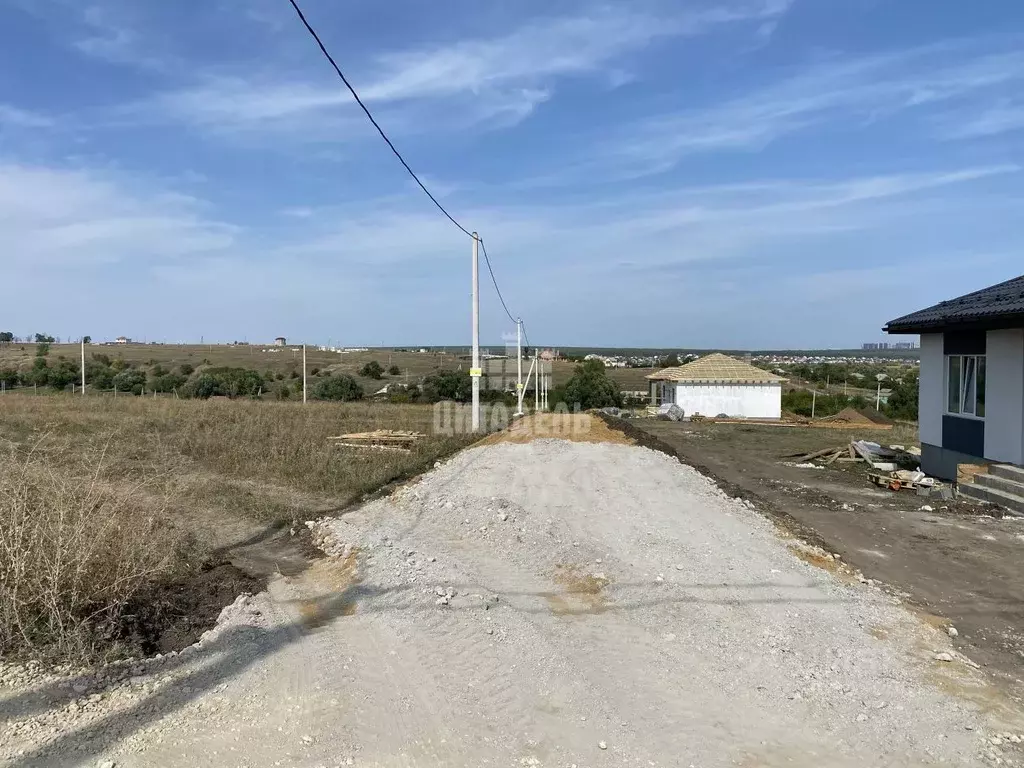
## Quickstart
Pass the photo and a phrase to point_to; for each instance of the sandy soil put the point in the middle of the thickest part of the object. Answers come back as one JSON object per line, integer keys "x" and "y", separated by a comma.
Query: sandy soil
{"x": 545, "y": 604}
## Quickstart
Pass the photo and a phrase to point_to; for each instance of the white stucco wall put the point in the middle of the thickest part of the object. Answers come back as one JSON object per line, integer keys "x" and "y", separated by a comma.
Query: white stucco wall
{"x": 932, "y": 389}
{"x": 1004, "y": 396}
{"x": 753, "y": 401}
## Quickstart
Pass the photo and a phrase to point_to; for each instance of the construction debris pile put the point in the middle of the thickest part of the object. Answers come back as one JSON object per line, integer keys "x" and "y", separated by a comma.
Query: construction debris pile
{"x": 895, "y": 466}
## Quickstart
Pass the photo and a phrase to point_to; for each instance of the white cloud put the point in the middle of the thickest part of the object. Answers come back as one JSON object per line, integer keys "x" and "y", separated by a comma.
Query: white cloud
{"x": 1004, "y": 118}
{"x": 499, "y": 79}
{"x": 866, "y": 88}
{"x": 11, "y": 116}
{"x": 84, "y": 219}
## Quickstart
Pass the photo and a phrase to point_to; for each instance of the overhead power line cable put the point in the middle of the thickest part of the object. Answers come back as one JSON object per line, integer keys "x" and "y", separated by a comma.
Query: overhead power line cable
{"x": 383, "y": 135}
{"x": 495, "y": 281}
{"x": 359, "y": 101}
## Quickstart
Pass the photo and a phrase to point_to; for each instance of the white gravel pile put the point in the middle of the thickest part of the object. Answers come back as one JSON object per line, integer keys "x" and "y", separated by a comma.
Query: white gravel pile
{"x": 710, "y": 637}
{"x": 560, "y": 604}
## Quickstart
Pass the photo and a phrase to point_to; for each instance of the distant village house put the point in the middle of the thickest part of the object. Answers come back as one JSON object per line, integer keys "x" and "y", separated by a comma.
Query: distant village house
{"x": 717, "y": 385}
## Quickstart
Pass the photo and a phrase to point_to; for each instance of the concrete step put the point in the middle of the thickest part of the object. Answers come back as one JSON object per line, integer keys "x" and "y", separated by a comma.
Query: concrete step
{"x": 1009, "y": 471}
{"x": 1011, "y": 502}
{"x": 1000, "y": 483}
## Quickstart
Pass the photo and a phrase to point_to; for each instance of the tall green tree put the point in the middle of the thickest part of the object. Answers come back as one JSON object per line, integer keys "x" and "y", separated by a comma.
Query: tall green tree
{"x": 903, "y": 400}
{"x": 589, "y": 388}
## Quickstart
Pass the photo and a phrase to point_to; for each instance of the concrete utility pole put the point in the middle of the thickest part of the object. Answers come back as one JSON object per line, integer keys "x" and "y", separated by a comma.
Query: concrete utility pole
{"x": 519, "y": 367}
{"x": 303, "y": 374}
{"x": 536, "y": 382}
{"x": 475, "y": 371}
{"x": 83, "y": 366}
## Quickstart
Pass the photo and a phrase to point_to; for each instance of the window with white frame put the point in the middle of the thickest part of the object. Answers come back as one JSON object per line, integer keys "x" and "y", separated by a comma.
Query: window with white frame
{"x": 965, "y": 385}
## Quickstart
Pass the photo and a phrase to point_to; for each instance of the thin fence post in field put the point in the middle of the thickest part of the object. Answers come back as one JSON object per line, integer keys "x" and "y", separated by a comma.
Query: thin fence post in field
{"x": 83, "y": 366}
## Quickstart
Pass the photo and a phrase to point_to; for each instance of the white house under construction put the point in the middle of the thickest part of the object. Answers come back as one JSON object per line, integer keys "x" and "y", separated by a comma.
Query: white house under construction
{"x": 716, "y": 384}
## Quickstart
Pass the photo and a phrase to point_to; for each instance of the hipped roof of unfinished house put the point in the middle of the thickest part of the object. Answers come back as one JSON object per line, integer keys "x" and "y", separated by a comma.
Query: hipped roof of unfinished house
{"x": 717, "y": 369}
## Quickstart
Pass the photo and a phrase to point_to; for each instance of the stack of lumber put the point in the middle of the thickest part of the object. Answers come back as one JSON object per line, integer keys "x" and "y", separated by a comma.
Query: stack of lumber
{"x": 872, "y": 454}
{"x": 380, "y": 440}
{"x": 829, "y": 456}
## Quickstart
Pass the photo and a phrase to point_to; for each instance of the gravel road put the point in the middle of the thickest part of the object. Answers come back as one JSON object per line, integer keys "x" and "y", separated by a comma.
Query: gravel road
{"x": 540, "y": 604}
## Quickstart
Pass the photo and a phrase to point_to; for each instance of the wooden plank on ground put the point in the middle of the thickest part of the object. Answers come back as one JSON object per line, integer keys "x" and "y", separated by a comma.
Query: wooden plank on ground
{"x": 816, "y": 454}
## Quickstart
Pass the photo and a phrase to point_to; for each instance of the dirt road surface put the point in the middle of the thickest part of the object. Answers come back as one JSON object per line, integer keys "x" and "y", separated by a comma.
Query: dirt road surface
{"x": 956, "y": 560}
{"x": 539, "y": 604}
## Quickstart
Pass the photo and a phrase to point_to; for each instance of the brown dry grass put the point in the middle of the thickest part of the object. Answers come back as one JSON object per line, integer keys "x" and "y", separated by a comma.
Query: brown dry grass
{"x": 74, "y": 550}
{"x": 96, "y": 494}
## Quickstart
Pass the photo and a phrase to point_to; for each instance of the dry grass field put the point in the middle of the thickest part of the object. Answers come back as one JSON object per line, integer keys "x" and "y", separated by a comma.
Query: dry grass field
{"x": 101, "y": 500}
{"x": 414, "y": 365}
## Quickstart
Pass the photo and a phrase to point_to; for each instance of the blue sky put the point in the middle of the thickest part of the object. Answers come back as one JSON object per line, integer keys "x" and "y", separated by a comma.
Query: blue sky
{"x": 730, "y": 173}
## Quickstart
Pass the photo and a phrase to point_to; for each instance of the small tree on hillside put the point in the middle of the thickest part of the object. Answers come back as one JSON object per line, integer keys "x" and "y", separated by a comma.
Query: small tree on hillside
{"x": 671, "y": 361}
{"x": 372, "y": 370}
{"x": 448, "y": 385}
{"x": 6, "y": 337}
{"x": 340, "y": 388}
{"x": 590, "y": 387}
{"x": 903, "y": 400}
{"x": 62, "y": 374}
{"x": 394, "y": 370}
{"x": 130, "y": 380}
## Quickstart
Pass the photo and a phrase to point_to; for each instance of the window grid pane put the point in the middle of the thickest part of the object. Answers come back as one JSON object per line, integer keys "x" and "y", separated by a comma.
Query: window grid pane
{"x": 969, "y": 369}
{"x": 953, "y": 384}
{"x": 980, "y": 411}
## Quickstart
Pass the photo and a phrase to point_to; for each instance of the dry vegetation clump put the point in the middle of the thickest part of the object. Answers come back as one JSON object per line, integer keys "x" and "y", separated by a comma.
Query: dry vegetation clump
{"x": 74, "y": 551}
{"x": 115, "y": 514}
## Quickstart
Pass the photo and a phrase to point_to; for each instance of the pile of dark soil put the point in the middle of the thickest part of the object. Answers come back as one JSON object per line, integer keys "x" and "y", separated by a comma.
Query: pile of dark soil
{"x": 169, "y": 616}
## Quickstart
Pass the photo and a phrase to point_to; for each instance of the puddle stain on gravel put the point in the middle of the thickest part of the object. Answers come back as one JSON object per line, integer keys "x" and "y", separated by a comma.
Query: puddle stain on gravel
{"x": 583, "y": 593}
{"x": 337, "y": 576}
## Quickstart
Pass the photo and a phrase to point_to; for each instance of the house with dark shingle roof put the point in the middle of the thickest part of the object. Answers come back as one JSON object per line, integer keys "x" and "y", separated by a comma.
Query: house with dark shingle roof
{"x": 718, "y": 384}
{"x": 972, "y": 380}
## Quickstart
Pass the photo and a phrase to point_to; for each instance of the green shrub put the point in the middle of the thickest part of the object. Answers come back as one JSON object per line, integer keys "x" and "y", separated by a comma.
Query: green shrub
{"x": 448, "y": 385}
{"x": 394, "y": 370}
{"x": 342, "y": 388}
{"x": 202, "y": 387}
{"x": 39, "y": 374}
{"x": 185, "y": 369}
{"x": 63, "y": 374}
{"x": 372, "y": 370}
{"x": 168, "y": 382}
{"x": 230, "y": 382}
{"x": 129, "y": 380}
{"x": 98, "y": 375}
